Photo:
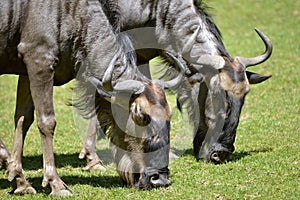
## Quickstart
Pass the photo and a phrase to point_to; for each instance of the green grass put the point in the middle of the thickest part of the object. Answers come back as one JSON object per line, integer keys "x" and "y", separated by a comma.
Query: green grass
{"x": 266, "y": 162}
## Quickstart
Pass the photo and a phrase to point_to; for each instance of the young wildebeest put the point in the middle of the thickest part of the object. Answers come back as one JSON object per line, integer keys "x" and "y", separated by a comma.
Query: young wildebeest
{"x": 50, "y": 42}
{"x": 216, "y": 105}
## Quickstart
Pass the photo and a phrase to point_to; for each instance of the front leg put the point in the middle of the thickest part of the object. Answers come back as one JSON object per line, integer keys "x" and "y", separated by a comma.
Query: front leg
{"x": 4, "y": 155}
{"x": 89, "y": 147}
{"x": 40, "y": 60}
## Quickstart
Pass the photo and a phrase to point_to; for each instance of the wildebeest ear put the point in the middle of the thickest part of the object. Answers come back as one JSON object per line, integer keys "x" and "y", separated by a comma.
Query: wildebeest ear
{"x": 256, "y": 78}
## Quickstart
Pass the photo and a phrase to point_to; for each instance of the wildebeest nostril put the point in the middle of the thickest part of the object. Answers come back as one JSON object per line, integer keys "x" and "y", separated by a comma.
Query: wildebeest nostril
{"x": 159, "y": 181}
{"x": 215, "y": 157}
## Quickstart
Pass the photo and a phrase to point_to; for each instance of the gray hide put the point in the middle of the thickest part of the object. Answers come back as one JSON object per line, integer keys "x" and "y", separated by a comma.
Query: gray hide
{"x": 50, "y": 44}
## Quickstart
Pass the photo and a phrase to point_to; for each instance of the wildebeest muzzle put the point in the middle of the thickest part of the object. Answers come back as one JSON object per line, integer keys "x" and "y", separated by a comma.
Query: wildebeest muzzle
{"x": 154, "y": 178}
{"x": 218, "y": 154}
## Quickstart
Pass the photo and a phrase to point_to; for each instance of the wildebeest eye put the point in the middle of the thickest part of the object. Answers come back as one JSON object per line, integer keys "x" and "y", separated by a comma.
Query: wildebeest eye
{"x": 142, "y": 120}
{"x": 139, "y": 116}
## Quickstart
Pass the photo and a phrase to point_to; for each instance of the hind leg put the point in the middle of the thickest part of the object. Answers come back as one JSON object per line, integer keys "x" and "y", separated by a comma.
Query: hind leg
{"x": 14, "y": 167}
{"x": 23, "y": 119}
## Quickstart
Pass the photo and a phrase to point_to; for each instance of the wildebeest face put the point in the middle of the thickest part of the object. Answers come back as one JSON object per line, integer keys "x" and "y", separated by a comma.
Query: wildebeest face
{"x": 226, "y": 85}
{"x": 235, "y": 82}
{"x": 151, "y": 115}
{"x": 139, "y": 134}
{"x": 137, "y": 117}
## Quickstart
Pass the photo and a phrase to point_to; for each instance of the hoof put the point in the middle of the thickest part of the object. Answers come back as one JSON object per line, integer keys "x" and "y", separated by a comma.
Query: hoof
{"x": 82, "y": 154}
{"x": 10, "y": 176}
{"x": 25, "y": 190}
{"x": 62, "y": 193}
{"x": 173, "y": 156}
{"x": 58, "y": 187}
{"x": 95, "y": 167}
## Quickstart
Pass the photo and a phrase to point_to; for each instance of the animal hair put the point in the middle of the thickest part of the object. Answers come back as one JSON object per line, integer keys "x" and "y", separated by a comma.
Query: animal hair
{"x": 185, "y": 91}
{"x": 112, "y": 11}
{"x": 202, "y": 9}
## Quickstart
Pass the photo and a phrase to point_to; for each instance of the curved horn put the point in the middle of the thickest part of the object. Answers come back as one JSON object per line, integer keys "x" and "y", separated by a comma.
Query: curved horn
{"x": 107, "y": 77}
{"x": 105, "y": 87}
{"x": 176, "y": 81}
{"x": 186, "y": 51}
{"x": 261, "y": 58}
{"x": 99, "y": 87}
{"x": 215, "y": 61}
{"x": 130, "y": 85}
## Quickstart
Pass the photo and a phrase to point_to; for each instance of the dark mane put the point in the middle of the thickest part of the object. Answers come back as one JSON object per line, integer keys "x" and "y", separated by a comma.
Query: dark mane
{"x": 112, "y": 11}
{"x": 212, "y": 27}
{"x": 128, "y": 48}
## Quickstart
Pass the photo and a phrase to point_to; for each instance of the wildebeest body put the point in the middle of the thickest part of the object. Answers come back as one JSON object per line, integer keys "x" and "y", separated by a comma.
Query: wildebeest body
{"x": 47, "y": 43}
{"x": 74, "y": 38}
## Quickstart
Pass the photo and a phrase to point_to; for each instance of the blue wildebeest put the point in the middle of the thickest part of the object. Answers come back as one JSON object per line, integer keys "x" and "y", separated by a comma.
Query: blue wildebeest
{"x": 223, "y": 90}
{"x": 48, "y": 43}
{"x": 185, "y": 28}
{"x": 136, "y": 120}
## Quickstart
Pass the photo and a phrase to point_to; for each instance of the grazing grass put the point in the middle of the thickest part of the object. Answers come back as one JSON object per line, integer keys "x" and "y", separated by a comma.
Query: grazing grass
{"x": 266, "y": 162}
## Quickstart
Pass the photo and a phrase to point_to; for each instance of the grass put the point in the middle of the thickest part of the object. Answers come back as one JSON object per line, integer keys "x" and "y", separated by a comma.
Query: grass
{"x": 266, "y": 162}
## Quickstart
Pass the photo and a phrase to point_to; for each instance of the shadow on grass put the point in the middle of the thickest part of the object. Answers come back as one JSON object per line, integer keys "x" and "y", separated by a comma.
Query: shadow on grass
{"x": 94, "y": 181}
{"x": 236, "y": 155}
{"x": 35, "y": 162}
{"x": 241, "y": 154}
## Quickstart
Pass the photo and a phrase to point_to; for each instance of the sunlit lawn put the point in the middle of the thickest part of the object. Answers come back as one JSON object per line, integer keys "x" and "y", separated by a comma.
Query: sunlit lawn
{"x": 266, "y": 162}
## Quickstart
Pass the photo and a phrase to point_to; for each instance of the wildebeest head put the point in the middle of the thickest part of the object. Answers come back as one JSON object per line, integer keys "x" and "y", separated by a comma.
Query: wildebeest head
{"x": 142, "y": 155}
{"x": 137, "y": 120}
{"x": 227, "y": 84}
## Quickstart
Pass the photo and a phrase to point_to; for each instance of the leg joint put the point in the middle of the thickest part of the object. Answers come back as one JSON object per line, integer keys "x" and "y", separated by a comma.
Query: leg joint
{"x": 47, "y": 125}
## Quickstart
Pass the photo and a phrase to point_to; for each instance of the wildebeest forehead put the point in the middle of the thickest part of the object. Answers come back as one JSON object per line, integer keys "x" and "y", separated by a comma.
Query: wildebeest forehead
{"x": 153, "y": 102}
{"x": 234, "y": 82}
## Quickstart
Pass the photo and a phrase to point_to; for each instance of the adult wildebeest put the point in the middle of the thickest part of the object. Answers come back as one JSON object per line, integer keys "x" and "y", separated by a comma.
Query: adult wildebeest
{"x": 221, "y": 97}
{"x": 222, "y": 93}
{"x": 49, "y": 43}
{"x": 136, "y": 120}
{"x": 216, "y": 105}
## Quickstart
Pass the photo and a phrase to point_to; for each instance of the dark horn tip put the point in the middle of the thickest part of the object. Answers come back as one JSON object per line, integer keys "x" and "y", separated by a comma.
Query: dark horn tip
{"x": 265, "y": 38}
{"x": 247, "y": 62}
